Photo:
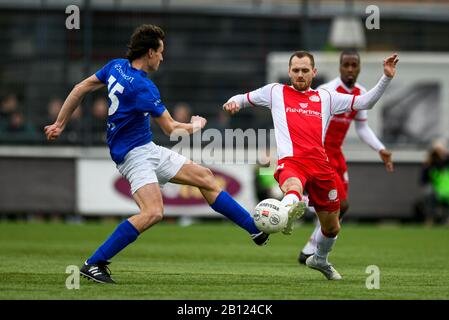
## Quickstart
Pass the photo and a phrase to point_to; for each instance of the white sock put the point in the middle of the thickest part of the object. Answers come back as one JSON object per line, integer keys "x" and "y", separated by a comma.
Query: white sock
{"x": 289, "y": 199}
{"x": 324, "y": 245}
{"x": 311, "y": 245}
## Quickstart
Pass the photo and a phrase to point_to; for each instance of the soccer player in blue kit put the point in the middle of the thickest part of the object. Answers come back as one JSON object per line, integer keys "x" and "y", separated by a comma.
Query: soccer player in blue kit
{"x": 147, "y": 166}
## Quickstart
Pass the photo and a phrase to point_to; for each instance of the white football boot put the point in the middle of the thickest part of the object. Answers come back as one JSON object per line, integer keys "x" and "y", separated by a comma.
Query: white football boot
{"x": 296, "y": 211}
{"x": 324, "y": 267}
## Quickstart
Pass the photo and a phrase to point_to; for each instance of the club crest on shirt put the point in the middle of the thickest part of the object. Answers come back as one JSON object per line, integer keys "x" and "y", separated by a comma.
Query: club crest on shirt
{"x": 332, "y": 195}
{"x": 303, "y": 105}
{"x": 314, "y": 98}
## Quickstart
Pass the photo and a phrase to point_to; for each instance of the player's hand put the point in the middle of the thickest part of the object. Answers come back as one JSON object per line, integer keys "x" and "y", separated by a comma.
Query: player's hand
{"x": 231, "y": 107}
{"x": 385, "y": 155}
{"x": 53, "y": 131}
{"x": 390, "y": 65}
{"x": 198, "y": 122}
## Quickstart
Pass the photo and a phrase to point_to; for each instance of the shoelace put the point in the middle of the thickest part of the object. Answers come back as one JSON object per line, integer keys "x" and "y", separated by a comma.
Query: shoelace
{"x": 104, "y": 268}
{"x": 330, "y": 267}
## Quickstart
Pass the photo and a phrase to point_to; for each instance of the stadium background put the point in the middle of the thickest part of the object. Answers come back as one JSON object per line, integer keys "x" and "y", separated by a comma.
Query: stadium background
{"x": 213, "y": 50}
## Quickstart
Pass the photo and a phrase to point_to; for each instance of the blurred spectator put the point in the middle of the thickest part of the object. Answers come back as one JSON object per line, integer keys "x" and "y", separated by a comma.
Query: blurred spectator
{"x": 182, "y": 112}
{"x": 435, "y": 183}
{"x": 53, "y": 107}
{"x": 8, "y": 105}
{"x": 76, "y": 127}
{"x": 13, "y": 125}
{"x": 221, "y": 122}
{"x": 99, "y": 119}
{"x": 18, "y": 129}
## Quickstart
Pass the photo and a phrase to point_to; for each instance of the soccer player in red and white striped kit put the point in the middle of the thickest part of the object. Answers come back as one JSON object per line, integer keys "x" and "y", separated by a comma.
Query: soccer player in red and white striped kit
{"x": 335, "y": 135}
{"x": 301, "y": 117}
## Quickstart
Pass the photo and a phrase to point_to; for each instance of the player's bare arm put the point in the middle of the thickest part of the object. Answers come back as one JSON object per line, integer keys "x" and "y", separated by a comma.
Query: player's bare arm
{"x": 169, "y": 125}
{"x": 386, "y": 157}
{"x": 72, "y": 101}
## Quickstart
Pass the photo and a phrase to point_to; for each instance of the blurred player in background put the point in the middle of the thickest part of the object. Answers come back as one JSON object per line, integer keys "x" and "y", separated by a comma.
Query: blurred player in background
{"x": 301, "y": 117}
{"x": 336, "y": 133}
{"x": 147, "y": 166}
{"x": 435, "y": 184}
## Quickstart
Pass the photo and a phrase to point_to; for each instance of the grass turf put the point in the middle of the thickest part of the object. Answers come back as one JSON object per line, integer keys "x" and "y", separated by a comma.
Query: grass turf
{"x": 219, "y": 261}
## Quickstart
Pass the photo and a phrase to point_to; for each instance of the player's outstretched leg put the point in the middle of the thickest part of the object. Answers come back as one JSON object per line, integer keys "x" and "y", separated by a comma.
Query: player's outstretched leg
{"x": 326, "y": 238}
{"x": 219, "y": 200}
{"x": 95, "y": 268}
{"x": 231, "y": 209}
{"x": 149, "y": 200}
{"x": 310, "y": 247}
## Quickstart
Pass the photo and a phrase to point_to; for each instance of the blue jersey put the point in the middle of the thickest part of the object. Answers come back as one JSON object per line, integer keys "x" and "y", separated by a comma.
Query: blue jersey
{"x": 132, "y": 99}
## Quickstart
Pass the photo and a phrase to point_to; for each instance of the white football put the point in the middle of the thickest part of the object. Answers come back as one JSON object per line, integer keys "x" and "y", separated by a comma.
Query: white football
{"x": 270, "y": 216}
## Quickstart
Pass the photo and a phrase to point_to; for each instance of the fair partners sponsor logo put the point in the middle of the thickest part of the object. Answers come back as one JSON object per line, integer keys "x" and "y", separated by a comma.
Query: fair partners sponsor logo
{"x": 306, "y": 112}
{"x": 332, "y": 195}
{"x": 303, "y": 105}
{"x": 184, "y": 195}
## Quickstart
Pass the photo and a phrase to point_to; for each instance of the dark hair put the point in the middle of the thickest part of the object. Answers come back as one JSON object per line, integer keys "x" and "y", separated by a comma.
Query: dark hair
{"x": 349, "y": 52}
{"x": 145, "y": 37}
{"x": 302, "y": 54}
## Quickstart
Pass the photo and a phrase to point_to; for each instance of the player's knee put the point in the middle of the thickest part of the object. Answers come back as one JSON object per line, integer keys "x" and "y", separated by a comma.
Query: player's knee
{"x": 158, "y": 216}
{"x": 331, "y": 231}
{"x": 208, "y": 180}
{"x": 151, "y": 216}
{"x": 292, "y": 184}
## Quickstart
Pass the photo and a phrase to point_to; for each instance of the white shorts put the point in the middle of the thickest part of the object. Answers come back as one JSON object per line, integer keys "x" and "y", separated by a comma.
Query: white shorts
{"x": 150, "y": 163}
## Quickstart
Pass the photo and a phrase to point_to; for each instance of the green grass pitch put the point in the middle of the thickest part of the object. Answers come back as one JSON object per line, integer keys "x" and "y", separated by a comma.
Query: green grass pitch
{"x": 219, "y": 261}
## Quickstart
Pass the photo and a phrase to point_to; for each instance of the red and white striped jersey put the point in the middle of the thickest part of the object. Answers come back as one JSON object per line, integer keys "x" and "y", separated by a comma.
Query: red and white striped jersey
{"x": 340, "y": 123}
{"x": 301, "y": 118}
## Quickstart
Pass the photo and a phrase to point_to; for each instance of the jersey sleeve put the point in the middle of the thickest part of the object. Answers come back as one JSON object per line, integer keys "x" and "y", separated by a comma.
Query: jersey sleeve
{"x": 362, "y": 89}
{"x": 362, "y": 115}
{"x": 258, "y": 98}
{"x": 339, "y": 102}
{"x": 149, "y": 100}
{"x": 367, "y": 135}
{"x": 102, "y": 74}
{"x": 368, "y": 100}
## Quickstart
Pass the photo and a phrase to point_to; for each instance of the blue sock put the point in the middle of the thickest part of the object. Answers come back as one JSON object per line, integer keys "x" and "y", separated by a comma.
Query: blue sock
{"x": 228, "y": 207}
{"x": 123, "y": 235}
